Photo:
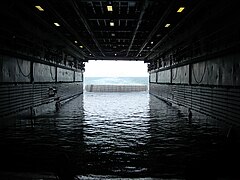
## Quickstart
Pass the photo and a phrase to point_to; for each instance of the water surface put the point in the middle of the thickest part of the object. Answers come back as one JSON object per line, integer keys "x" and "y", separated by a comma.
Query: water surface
{"x": 118, "y": 135}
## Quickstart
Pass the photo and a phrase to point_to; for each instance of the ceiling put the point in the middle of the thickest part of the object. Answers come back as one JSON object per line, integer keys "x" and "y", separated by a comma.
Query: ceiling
{"x": 84, "y": 25}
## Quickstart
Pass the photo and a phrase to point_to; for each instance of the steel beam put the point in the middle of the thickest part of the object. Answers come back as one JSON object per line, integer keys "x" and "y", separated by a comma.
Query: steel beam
{"x": 155, "y": 29}
{"x": 70, "y": 47}
{"x": 190, "y": 14}
{"x": 68, "y": 26}
{"x": 144, "y": 6}
{"x": 83, "y": 19}
{"x": 115, "y": 58}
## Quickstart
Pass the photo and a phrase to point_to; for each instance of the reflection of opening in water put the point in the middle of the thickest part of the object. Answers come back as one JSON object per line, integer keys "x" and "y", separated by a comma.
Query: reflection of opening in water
{"x": 118, "y": 134}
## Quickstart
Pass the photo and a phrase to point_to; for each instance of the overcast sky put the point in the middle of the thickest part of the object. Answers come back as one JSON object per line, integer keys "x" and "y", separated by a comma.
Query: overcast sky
{"x": 115, "y": 69}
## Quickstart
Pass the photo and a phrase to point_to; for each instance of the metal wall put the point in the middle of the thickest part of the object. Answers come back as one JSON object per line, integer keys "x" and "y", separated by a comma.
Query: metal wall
{"x": 25, "y": 86}
{"x": 211, "y": 87}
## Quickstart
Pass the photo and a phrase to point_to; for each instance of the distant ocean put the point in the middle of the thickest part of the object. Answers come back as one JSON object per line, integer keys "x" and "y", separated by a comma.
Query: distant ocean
{"x": 116, "y": 80}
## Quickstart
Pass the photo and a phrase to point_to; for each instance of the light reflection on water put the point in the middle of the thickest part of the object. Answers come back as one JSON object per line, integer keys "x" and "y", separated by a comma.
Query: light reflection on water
{"x": 117, "y": 127}
{"x": 124, "y": 125}
{"x": 122, "y": 134}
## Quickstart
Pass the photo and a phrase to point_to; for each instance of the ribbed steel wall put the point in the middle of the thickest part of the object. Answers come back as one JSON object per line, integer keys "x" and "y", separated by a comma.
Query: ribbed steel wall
{"x": 19, "y": 97}
{"x": 220, "y": 102}
{"x": 27, "y": 85}
{"x": 15, "y": 98}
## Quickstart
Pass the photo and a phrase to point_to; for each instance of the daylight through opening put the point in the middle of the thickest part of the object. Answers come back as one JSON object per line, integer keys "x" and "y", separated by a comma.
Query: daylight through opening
{"x": 116, "y": 76}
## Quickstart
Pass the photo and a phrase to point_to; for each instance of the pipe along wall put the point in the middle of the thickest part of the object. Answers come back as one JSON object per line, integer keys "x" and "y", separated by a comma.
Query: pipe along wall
{"x": 210, "y": 87}
{"x": 31, "y": 88}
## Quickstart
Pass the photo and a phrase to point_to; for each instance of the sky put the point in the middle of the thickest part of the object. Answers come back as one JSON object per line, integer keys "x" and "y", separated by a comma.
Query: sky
{"x": 115, "y": 69}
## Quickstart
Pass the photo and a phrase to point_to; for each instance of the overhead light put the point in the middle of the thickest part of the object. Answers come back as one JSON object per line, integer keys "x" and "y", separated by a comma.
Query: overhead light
{"x": 81, "y": 46}
{"x": 113, "y": 34}
{"x": 109, "y": 8}
{"x": 151, "y": 42}
{"x": 76, "y": 42}
{"x": 39, "y": 8}
{"x": 180, "y": 9}
{"x": 56, "y": 24}
{"x": 90, "y": 54}
{"x": 167, "y": 25}
{"x": 115, "y": 54}
{"x": 111, "y": 23}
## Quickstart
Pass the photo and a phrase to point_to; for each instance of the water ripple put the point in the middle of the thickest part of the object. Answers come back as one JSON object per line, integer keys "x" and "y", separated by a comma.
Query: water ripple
{"x": 123, "y": 134}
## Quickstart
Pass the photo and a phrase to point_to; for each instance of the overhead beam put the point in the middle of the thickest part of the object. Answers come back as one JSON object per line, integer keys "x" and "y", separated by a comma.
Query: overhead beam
{"x": 113, "y": 31}
{"x": 112, "y": 0}
{"x": 70, "y": 47}
{"x": 68, "y": 26}
{"x": 157, "y": 26}
{"x": 114, "y": 58}
{"x": 123, "y": 17}
{"x": 190, "y": 14}
{"x": 143, "y": 7}
{"x": 107, "y": 18}
{"x": 83, "y": 19}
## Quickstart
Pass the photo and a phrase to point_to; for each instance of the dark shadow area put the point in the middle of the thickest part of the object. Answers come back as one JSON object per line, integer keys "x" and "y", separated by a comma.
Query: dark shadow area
{"x": 44, "y": 146}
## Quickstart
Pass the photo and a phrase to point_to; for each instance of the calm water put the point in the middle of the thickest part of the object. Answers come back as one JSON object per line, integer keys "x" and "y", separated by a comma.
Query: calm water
{"x": 118, "y": 135}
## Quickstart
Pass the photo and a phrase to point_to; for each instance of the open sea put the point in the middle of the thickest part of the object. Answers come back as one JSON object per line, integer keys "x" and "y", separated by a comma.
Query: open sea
{"x": 116, "y": 80}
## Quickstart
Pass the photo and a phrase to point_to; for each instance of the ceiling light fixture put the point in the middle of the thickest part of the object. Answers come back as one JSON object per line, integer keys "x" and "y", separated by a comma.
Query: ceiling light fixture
{"x": 81, "y": 47}
{"x": 39, "y": 8}
{"x": 76, "y": 42}
{"x": 167, "y": 25}
{"x": 56, "y": 24}
{"x": 109, "y": 8}
{"x": 111, "y": 23}
{"x": 180, "y": 9}
{"x": 151, "y": 42}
